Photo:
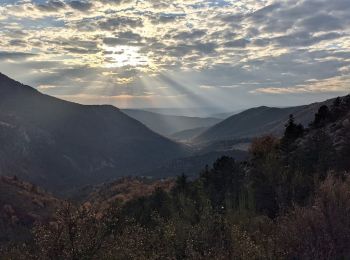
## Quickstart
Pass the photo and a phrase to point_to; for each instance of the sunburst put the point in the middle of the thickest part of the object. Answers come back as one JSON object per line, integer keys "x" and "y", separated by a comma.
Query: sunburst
{"x": 124, "y": 55}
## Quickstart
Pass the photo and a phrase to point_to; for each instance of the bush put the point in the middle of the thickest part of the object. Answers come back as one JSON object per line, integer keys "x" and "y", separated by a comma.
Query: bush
{"x": 320, "y": 231}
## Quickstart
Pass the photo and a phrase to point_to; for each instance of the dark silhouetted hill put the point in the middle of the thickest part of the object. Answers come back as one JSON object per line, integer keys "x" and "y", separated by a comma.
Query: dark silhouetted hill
{"x": 257, "y": 122}
{"x": 61, "y": 145}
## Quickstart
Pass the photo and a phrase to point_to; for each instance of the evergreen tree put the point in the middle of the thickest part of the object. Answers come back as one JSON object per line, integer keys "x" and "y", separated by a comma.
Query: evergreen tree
{"x": 224, "y": 182}
{"x": 292, "y": 131}
{"x": 265, "y": 174}
{"x": 336, "y": 109}
{"x": 321, "y": 117}
{"x": 181, "y": 183}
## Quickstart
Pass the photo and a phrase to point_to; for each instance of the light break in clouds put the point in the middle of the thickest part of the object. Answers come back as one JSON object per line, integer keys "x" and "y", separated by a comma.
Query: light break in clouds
{"x": 179, "y": 53}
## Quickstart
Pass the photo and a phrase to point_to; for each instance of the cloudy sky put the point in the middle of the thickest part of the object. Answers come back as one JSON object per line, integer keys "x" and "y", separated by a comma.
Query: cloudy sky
{"x": 179, "y": 53}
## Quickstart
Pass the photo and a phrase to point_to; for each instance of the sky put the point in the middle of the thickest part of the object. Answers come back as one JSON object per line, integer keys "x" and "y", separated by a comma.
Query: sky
{"x": 223, "y": 54}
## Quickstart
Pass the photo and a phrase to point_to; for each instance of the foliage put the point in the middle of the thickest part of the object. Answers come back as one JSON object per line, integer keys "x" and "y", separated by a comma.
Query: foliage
{"x": 77, "y": 233}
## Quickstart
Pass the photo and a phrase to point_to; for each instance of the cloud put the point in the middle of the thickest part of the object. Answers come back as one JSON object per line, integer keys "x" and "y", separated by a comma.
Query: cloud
{"x": 124, "y": 38}
{"x": 190, "y": 35}
{"x": 206, "y": 87}
{"x": 77, "y": 50}
{"x": 304, "y": 38}
{"x": 15, "y": 55}
{"x": 321, "y": 22}
{"x": 80, "y": 5}
{"x": 336, "y": 84}
{"x": 183, "y": 49}
{"x": 165, "y": 18}
{"x": 51, "y": 6}
{"x": 111, "y": 24}
{"x": 77, "y": 45}
{"x": 240, "y": 43}
{"x": 17, "y": 42}
{"x": 45, "y": 87}
{"x": 219, "y": 87}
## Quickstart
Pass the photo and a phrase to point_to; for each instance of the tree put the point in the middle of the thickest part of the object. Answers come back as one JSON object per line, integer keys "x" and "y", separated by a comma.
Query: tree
{"x": 224, "y": 183}
{"x": 265, "y": 175}
{"x": 77, "y": 233}
{"x": 321, "y": 230}
{"x": 321, "y": 117}
{"x": 336, "y": 109}
{"x": 344, "y": 152}
{"x": 316, "y": 155}
{"x": 181, "y": 183}
{"x": 292, "y": 132}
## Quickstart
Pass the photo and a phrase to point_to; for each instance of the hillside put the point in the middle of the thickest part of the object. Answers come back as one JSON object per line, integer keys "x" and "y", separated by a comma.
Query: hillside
{"x": 21, "y": 205}
{"x": 187, "y": 135}
{"x": 192, "y": 165}
{"x": 257, "y": 122}
{"x": 61, "y": 145}
{"x": 169, "y": 124}
{"x": 123, "y": 190}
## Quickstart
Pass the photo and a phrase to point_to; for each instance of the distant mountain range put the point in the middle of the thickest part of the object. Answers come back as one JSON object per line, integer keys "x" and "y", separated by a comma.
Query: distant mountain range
{"x": 203, "y": 111}
{"x": 258, "y": 121}
{"x": 168, "y": 125}
{"x": 225, "y": 115}
{"x": 61, "y": 145}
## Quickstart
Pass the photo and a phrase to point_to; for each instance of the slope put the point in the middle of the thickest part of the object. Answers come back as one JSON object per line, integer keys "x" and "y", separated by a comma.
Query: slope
{"x": 168, "y": 124}
{"x": 60, "y": 145}
{"x": 258, "y": 121}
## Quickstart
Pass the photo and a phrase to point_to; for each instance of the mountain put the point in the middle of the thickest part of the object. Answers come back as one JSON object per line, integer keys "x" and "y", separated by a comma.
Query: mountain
{"x": 168, "y": 124}
{"x": 61, "y": 145}
{"x": 187, "y": 135}
{"x": 258, "y": 121}
{"x": 225, "y": 115}
{"x": 202, "y": 111}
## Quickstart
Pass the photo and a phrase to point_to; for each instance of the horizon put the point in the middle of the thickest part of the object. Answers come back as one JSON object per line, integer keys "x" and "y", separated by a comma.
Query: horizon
{"x": 136, "y": 54}
{"x": 187, "y": 111}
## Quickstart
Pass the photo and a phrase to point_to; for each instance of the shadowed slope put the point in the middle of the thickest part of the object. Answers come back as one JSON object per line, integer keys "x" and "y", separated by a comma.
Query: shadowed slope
{"x": 60, "y": 145}
{"x": 258, "y": 121}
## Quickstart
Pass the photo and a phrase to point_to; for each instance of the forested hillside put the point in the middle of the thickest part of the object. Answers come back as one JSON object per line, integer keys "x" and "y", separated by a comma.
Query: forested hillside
{"x": 21, "y": 205}
{"x": 290, "y": 200}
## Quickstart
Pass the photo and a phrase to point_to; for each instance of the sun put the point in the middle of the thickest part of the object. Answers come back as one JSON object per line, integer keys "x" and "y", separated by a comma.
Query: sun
{"x": 124, "y": 55}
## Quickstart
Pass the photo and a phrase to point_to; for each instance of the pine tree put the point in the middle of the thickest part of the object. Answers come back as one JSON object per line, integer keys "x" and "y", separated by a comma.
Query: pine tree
{"x": 292, "y": 132}
{"x": 336, "y": 109}
{"x": 321, "y": 117}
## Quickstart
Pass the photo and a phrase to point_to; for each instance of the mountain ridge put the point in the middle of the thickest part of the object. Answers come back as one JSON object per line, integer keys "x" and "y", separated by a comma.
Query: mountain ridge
{"x": 258, "y": 121}
{"x": 167, "y": 125}
{"x": 60, "y": 144}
